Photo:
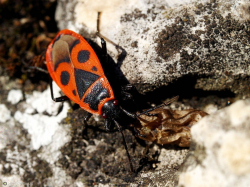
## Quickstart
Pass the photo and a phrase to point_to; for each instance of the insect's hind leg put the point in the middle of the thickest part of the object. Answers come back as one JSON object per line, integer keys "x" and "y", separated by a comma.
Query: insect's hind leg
{"x": 58, "y": 99}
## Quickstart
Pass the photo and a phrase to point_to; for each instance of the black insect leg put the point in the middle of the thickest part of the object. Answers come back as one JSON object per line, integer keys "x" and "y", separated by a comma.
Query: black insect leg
{"x": 144, "y": 160}
{"x": 134, "y": 116}
{"x": 125, "y": 91}
{"x": 107, "y": 124}
{"x": 159, "y": 106}
{"x": 149, "y": 114}
{"x": 125, "y": 145}
{"x": 103, "y": 42}
{"x": 28, "y": 68}
{"x": 104, "y": 50}
{"x": 128, "y": 87}
{"x": 98, "y": 33}
{"x": 34, "y": 64}
{"x": 138, "y": 133}
{"x": 86, "y": 118}
{"x": 58, "y": 99}
{"x": 36, "y": 68}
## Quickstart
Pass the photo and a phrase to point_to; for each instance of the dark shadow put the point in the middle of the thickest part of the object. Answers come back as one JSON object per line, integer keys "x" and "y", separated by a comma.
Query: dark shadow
{"x": 185, "y": 88}
{"x": 147, "y": 161}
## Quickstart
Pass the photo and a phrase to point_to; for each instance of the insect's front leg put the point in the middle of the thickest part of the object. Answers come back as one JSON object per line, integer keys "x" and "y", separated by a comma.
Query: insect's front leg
{"x": 107, "y": 124}
{"x": 86, "y": 118}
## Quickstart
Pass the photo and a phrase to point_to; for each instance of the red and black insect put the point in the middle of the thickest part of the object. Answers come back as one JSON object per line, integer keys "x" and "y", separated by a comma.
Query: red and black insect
{"x": 76, "y": 69}
{"x": 74, "y": 66}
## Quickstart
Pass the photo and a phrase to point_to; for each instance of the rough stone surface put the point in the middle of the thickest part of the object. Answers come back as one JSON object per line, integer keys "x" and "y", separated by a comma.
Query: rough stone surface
{"x": 220, "y": 150}
{"x": 200, "y": 50}
{"x": 37, "y": 148}
{"x": 5, "y": 113}
{"x": 15, "y": 96}
{"x": 165, "y": 42}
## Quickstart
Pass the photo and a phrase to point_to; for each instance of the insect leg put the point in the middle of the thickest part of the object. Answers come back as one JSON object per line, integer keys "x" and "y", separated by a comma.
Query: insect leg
{"x": 107, "y": 124}
{"x": 104, "y": 50}
{"x": 125, "y": 145}
{"x": 159, "y": 106}
{"x": 125, "y": 91}
{"x": 86, "y": 118}
{"x": 129, "y": 113}
{"x": 138, "y": 133}
{"x": 103, "y": 42}
{"x": 30, "y": 68}
{"x": 36, "y": 63}
{"x": 150, "y": 114}
{"x": 58, "y": 99}
{"x": 128, "y": 87}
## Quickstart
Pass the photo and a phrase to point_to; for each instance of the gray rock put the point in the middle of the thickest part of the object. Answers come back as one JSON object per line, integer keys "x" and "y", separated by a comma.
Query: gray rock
{"x": 201, "y": 45}
{"x": 205, "y": 41}
{"x": 220, "y": 150}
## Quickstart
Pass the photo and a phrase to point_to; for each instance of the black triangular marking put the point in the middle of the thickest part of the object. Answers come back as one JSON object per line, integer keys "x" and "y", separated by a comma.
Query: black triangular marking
{"x": 84, "y": 80}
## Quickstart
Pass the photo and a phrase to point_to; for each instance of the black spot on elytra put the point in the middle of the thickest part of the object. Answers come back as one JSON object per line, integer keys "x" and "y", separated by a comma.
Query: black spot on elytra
{"x": 98, "y": 93}
{"x": 83, "y": 56}
{"x": 74, "y": 92}
{"x": 65, "y": 78}
{"x": 94, "y": 68}
{"x": 83, "y": 81}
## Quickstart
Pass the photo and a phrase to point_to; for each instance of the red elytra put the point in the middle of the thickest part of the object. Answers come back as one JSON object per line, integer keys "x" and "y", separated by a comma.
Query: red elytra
{"x": 76, "y": 69}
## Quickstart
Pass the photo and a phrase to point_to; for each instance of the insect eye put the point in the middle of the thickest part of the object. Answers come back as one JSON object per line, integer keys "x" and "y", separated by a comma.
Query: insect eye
{"x": 104, "y": 116}
{"x": 115, "y": 102}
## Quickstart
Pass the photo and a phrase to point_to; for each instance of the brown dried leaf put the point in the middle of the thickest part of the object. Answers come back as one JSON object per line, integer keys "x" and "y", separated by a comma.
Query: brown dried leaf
{"x": 169, "y": 126}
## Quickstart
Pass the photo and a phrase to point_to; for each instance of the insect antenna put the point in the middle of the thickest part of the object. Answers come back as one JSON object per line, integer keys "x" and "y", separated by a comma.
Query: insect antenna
{"x": 35, "y": 64}
{"x": 125, "y": 145}
{"x": 159, "y": 106}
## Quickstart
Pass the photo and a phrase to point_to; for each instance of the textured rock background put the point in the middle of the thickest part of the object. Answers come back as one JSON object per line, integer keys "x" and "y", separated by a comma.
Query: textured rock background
{"x": 204, "y": 41}
{"x": 220, "y": 153}
{"x": 196, "y": 49}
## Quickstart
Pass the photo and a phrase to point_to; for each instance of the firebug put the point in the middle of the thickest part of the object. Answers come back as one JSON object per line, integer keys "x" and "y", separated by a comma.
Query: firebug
{"x": 76, "y": 69}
